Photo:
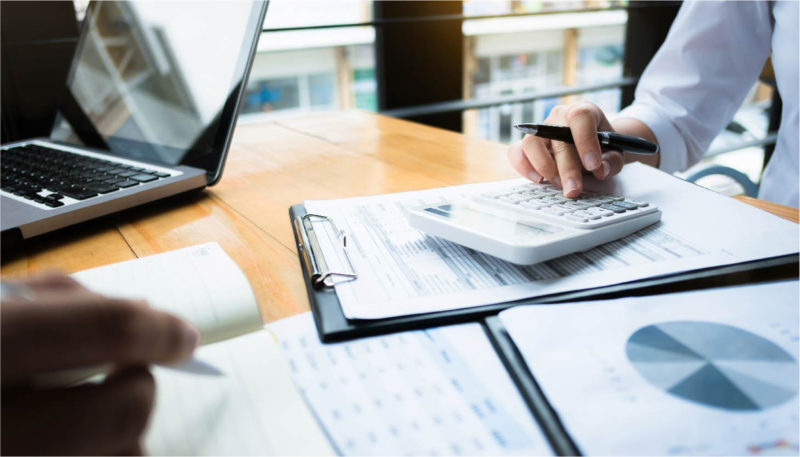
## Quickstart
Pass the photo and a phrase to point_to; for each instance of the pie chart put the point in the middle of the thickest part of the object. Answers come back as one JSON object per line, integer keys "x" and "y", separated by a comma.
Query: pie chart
{"x": 714, "y": 364}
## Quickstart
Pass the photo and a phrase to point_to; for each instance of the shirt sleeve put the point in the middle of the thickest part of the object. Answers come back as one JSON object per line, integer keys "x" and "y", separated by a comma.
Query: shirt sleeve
{"x": 700, "y": 76}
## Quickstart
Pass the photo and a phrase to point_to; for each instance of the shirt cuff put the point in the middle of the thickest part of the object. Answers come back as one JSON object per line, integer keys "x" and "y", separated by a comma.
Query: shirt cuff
{"x": 674, "y": 155}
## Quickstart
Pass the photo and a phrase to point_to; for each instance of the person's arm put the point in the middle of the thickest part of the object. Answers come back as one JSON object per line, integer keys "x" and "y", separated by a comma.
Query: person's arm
{"x": 700, "y": 76}
{"x": 688, "y": 93}
{"x": 61, "y": 325}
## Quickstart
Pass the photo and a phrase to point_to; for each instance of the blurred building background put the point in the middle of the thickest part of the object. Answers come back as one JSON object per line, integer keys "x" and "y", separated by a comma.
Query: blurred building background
{"x": 318, "y": 55}
{"x": 473, "y": 66}
{"x": 300, "y": 70}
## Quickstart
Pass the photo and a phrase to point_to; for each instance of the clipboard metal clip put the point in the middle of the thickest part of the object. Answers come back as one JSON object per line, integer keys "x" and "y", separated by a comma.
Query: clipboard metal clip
{"x": 319, "y": 272}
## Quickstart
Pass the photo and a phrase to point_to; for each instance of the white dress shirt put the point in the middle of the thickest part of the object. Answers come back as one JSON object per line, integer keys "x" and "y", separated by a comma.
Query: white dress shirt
{"x": 699, "y": 78}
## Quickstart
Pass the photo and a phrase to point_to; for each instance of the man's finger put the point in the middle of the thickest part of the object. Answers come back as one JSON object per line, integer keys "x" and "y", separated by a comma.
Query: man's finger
{"x": 612, "y": 163}
{"x": 85, "y": 329}
{"x": 538, "y": 153}
{"x": 582, "y": 121}
{"x": 570, "y": 169}
{"x": 51, "y": 280}
{"x": 90, "y": 419}
{"x": 520, "y": 163}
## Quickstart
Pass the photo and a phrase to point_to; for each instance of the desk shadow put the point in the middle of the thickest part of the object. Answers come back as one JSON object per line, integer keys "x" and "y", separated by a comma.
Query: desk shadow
{"x": 13, "y": 246}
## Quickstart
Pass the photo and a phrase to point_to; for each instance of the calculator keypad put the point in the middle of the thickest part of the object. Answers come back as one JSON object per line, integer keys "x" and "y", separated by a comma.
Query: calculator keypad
{"x": 590, "y": 210}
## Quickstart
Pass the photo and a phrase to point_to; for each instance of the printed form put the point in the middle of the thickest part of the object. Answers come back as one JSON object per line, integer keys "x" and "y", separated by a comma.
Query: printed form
{"x": 711, "y": 372}
{"x": 402, "y": 271}
{"x": 442, "y": 391}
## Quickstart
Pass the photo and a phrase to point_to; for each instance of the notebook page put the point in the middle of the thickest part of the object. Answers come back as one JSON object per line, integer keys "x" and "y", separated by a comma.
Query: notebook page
{"x": 200, "y": 283}
{"x": 253, "y": 409}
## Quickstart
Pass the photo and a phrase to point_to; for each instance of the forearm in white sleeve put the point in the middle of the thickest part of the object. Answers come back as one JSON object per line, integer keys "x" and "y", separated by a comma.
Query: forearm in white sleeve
{"x": 700, "y": 76}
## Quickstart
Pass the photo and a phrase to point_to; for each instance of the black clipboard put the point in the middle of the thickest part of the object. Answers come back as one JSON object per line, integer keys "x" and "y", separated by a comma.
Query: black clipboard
{"x": 332, "y": 325}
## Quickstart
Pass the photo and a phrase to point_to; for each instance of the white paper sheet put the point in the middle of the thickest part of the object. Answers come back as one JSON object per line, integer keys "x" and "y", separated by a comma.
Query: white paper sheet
{"x": 254, "y": 409}
{"x": 703, "y": 373}
{"x": 442, "y": 391}
{"x": 402, "y": 271}
{"x": 200, "y": 284}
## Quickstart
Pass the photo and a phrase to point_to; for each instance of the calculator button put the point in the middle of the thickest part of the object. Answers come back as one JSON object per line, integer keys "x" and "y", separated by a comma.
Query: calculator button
{"x": 596, "y": 200}
{"x": 574, "y": 218}
{"x": 573, "y": 205}
{"x": 558, "y": 211}
{"x": 533, "y": 204}
{"x": 600, "y": 212}
{"x": 626, "y": 205}
{"x": 585, "y": 215}
{"x": 637, "y": 203}
{"x": 613, "y": 207}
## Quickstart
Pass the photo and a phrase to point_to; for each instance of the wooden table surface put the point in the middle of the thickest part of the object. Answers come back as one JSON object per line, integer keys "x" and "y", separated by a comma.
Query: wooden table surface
{"x": 271, "y": 166}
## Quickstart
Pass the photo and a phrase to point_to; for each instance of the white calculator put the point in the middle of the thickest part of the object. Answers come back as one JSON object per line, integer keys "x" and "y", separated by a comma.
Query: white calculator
{"x": 530, "y": 223}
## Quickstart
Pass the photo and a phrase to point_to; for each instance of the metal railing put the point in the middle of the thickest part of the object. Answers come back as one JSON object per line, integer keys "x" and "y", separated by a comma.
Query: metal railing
{"x": 487, "y": 102}
{"x": 484, "y": 102}
{"x": 442, "y": 18}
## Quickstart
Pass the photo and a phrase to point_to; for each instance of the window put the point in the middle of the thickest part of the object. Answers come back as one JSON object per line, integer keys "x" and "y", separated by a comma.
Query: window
{"x": 271, "y": 94}
{"x": 308, "y": 69}
{"x": 533, "y": 53}
{"x": 322, "y": 90}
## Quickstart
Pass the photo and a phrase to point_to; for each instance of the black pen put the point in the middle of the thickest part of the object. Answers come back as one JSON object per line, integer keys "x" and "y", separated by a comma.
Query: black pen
{"x": 612, "y": 140}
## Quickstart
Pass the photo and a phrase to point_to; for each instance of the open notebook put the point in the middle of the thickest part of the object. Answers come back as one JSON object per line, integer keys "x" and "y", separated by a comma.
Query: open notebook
{"x": 253, "y": 407}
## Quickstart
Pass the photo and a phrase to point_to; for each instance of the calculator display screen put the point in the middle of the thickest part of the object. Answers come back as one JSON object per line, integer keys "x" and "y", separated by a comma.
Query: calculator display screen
{"x": 492, "y": 225}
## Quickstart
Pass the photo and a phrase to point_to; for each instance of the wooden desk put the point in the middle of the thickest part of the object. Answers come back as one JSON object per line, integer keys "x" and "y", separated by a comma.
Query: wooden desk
{"x": 271, "y": 166}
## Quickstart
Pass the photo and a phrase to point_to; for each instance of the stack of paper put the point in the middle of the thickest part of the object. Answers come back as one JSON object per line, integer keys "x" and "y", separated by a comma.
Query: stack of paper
{"x": 402, "y": 271}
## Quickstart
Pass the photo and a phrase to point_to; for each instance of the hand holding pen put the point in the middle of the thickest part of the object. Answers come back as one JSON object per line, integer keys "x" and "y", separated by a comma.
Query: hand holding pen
{"x": 586, "y": 143}
{"x": 51, "y": 323}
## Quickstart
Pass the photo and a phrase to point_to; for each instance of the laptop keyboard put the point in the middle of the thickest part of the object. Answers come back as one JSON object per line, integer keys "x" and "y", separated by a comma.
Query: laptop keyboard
{"x": 45, "y": 175}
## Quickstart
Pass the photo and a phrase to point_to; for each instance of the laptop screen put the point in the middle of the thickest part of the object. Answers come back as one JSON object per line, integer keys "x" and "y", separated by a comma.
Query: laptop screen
{"x": 160, "y": 81}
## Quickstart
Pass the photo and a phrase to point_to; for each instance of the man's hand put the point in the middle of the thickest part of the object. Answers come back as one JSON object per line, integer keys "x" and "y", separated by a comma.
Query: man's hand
{"x": 563, "y": 164}
{"x": 62, "y": 325}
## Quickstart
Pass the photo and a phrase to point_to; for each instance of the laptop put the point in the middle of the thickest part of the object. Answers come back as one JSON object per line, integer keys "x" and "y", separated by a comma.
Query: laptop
{"x": 148, "y": 111}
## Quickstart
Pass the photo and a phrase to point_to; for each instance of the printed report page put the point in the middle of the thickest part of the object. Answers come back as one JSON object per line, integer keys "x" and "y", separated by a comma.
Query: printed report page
{"x": 402, "y": 271}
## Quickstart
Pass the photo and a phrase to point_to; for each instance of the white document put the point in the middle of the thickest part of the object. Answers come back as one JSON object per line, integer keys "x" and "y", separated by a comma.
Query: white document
{"x": 441, "y": 391}
{"x": 701, "y": 373}
{"x": 200, "y": 284}
{"x": 253, "y": 409}
{"x": 402, "y": 271}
